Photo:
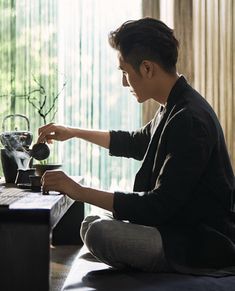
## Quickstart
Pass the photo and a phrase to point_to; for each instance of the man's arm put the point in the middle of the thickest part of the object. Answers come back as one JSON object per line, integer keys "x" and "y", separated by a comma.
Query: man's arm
{"x": 59, "y": 181}
{"x": 98, "y": 137}
{"x": 130, "y": 144}
{"x": 99, "y": 198}
{"x": 52, "y": 131}
{"x": 186, "y": 149}
{"x": 120, "y": 143}
{"x": 135, "y": 143}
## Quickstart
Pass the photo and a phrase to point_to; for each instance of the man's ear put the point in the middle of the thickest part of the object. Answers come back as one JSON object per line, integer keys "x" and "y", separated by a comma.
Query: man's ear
{"x": 147, "y": 69}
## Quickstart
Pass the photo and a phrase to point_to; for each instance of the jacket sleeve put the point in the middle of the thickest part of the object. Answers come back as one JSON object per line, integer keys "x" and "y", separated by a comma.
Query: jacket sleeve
{"x": 130, "y": 144}
{"x": 187, "y": 150}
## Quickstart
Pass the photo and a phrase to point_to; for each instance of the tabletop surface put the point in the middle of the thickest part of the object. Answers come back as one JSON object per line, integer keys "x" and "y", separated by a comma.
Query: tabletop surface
{"x": 35, "y": 204}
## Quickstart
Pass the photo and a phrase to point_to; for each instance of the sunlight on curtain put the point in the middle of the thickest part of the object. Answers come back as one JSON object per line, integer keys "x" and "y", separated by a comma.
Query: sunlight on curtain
{"x": 28, "y": 51}
{"x": 93, "y": 96}
{"x": 167, "y": 12}
{"x": 45, "y": 44}
{"x": 28, "y": 58}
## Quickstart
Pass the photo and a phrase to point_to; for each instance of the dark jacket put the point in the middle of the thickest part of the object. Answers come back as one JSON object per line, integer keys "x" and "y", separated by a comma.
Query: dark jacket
{"x": 185, "y": 184}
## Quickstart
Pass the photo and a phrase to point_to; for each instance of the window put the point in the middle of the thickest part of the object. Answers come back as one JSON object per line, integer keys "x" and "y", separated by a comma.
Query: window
{"x": 62, "y": 47}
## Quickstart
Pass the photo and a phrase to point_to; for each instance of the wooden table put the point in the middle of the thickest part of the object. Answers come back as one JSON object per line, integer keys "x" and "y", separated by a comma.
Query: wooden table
{"x": 26, "y": 235}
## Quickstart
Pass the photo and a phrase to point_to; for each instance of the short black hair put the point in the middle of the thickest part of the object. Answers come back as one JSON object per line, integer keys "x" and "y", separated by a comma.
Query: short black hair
{"x": 146, "y": 39}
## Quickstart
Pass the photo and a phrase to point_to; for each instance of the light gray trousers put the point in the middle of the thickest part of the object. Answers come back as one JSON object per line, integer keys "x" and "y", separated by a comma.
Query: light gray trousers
{"x": 124, "y": 245}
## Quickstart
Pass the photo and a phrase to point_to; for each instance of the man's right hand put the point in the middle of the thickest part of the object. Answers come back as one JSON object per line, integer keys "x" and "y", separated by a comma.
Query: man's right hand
{"x": 51, "y": 131}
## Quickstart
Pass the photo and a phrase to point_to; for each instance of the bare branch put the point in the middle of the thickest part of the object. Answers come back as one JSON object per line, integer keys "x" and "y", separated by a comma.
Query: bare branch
{"x": 39, "y": 102}
{"x": 42, "y": 89}
{"x": 54, "y": 99}
{"x": 56, "y": 110}
{"x": 44, "y": 102}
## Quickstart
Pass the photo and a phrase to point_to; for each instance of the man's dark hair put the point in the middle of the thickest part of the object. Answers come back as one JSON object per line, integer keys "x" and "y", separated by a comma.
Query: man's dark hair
{"x": 146, "y": 39}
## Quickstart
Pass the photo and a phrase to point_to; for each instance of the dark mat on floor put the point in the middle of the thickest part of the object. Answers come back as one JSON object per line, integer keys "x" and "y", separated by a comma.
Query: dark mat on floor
{"x": 87, "y": 275}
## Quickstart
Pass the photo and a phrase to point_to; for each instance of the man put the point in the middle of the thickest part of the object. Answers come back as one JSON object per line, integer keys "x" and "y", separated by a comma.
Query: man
{"x": 179, "y": 215}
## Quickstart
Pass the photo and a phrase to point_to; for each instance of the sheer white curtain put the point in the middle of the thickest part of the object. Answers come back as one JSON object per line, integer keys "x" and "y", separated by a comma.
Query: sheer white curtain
{"x": 28, "y": 56}
{"x": 93, "y": 96}
{"x": 61, "y": 42}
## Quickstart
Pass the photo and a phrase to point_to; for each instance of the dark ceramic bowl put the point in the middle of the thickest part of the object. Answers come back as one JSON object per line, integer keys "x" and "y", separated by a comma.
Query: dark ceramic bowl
{"x": 22, "y": 176}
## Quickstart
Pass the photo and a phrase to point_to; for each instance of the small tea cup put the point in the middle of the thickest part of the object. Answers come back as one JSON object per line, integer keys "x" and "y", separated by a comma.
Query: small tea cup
{"x": 35, "y": 183}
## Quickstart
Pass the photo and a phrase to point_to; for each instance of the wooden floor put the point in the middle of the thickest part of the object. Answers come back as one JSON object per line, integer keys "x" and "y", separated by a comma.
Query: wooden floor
{"x": 61, "y": 261}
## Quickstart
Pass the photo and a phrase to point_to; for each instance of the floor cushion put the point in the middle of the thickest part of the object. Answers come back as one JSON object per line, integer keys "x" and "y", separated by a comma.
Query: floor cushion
{"x": 93, "y": 275}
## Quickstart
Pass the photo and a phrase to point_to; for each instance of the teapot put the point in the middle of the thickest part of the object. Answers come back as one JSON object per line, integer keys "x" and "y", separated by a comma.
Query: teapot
{"x": 16, "y": 153}
{"x": 20, "y": 140}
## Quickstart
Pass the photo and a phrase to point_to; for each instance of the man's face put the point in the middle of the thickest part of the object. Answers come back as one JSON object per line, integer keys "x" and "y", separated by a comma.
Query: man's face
{"x": 133, "y": 80}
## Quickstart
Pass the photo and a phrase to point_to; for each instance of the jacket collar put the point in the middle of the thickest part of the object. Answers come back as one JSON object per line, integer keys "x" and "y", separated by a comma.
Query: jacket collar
{"x": 176, "y": 92}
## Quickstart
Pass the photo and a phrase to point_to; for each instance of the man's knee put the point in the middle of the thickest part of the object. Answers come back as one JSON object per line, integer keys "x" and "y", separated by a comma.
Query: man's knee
{"x": 86, "y": 225}
{"x": 96, "y": 235}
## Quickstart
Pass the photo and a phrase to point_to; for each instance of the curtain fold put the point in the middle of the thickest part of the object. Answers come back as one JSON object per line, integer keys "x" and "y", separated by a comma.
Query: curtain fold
{"x": 214, "y": 61}
{"x": 183, "y": 26}
{"x": 150, "y": 8}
